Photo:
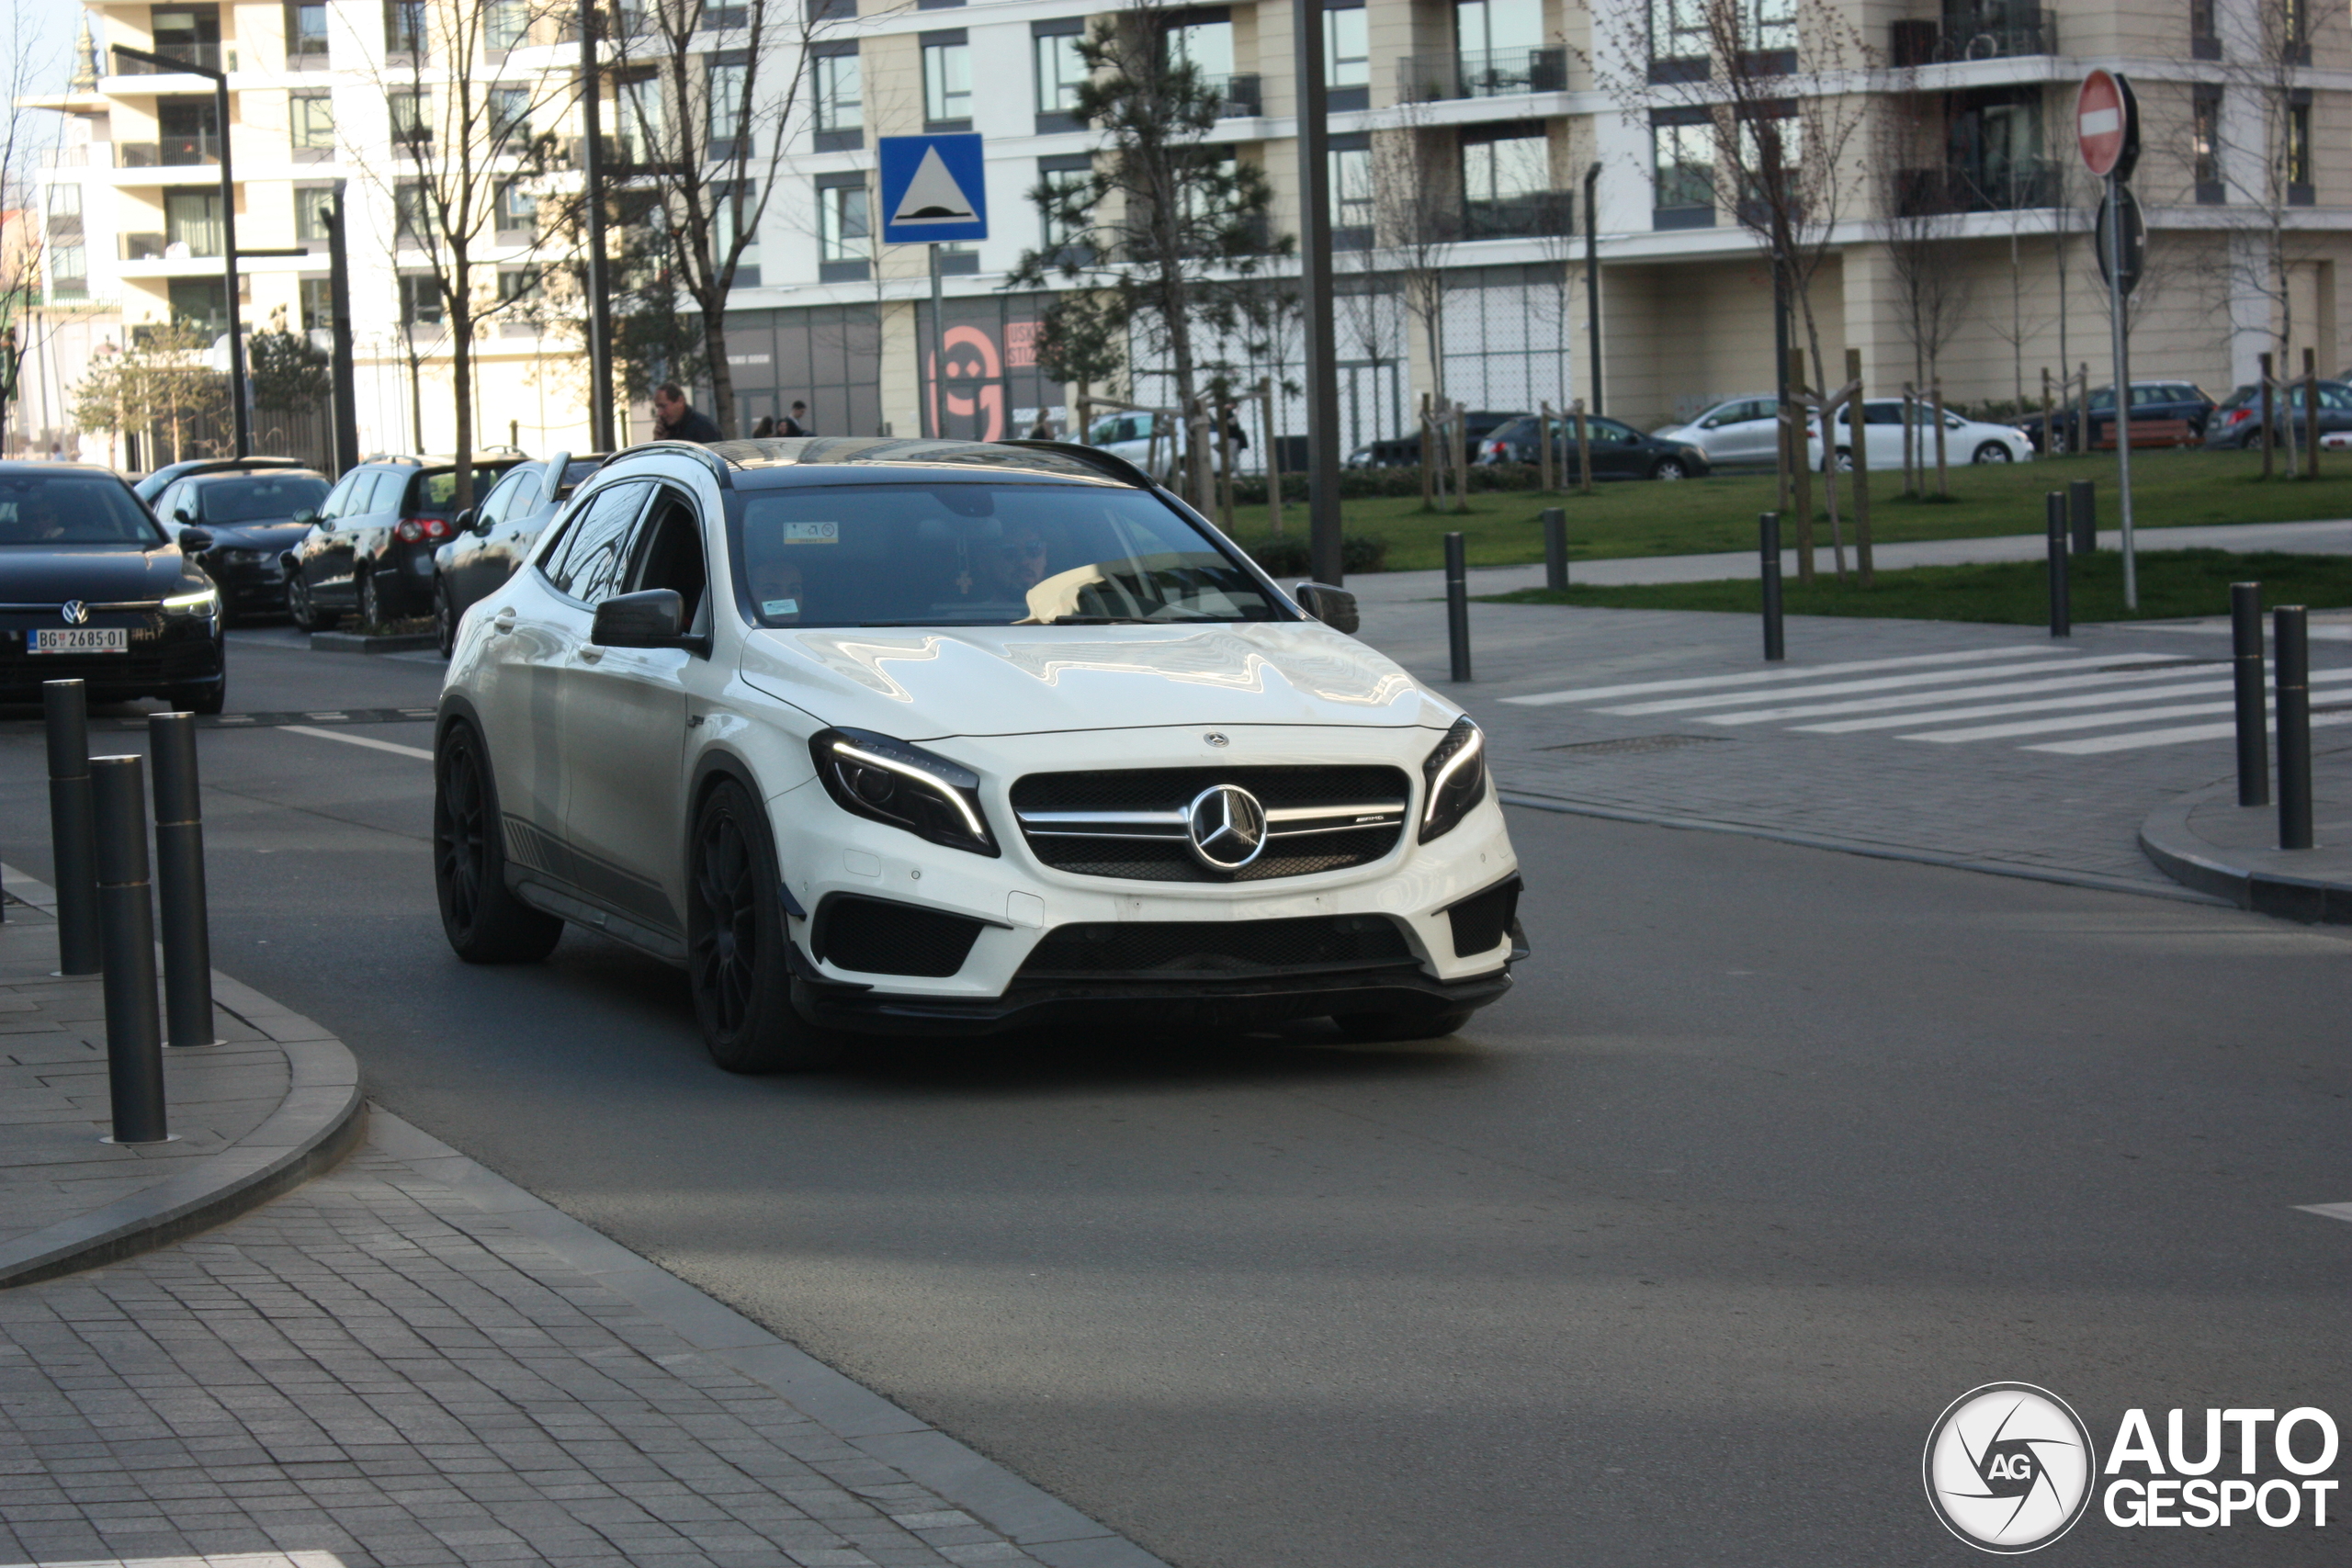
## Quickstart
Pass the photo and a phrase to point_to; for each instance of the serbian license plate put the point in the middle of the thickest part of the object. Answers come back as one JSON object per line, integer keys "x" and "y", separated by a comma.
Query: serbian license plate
{"x": 81, "y": 639}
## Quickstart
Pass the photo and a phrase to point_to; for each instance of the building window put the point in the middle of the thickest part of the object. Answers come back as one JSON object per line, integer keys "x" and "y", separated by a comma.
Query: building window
{"x": 306, "y": 33}
{"x": 1771, "y": 27}
{"x": 201, "y": 303}
{"x": 2205, "y": 144}
{"x": 1507, "y": 185}
{"x": 946, "y": 81}
{"x": 313, "y": 207}
{"x": 309, "y": 122}
{"x": 404, "y": 27}
{"x": 519, "y": 286}
{"x": 192, "y": 223}
{"x": 1352, "y": 205}
{"x": 412, "y": 221}
{"x": 1679, "y": 42}
{"x": 412, "y": 120}
{"x": 1207, "y": 47}
{"x": 844, "y": 232}
{"x": 317, "y": 296}
{"x": 638, "y": 119}
{"x": 2298, "y": 153}
{"x": 722, "y": 225}
{"x": 419, "y": 301}
{"x": 1682, "y": 158}
{"x": 510, "y": 115}
{"x": 1063, "y": 177}
{"x": 1061, "y": 70}
{"x": 723, "y": 79}
{"x": 1347, "y": 57}
{"x": 518, "y": 212}
{"x": 839, "y": 94}
{"x": 68, "y": 256}
{"x": 505, "y": 24}
{"x": 2204, "y": 43}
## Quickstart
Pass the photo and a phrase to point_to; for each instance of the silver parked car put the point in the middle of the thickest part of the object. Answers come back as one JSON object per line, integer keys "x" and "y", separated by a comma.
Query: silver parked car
{"x": 1739, "y": 432}
{"x": 493, "y": 537}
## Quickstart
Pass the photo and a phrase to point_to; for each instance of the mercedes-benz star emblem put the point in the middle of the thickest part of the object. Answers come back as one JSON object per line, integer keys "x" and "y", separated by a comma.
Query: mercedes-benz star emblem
{"x": 1226, "y": 827}
{"x": 1216, "y": 738}
{"x": 75, "y": 612}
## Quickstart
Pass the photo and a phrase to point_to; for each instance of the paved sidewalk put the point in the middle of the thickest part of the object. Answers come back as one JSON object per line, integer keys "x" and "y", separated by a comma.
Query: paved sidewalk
{"x": 410, "y": 1361}
{"x": 1389, "y": 587}
{"x": 2209, "y": 841}
{"x": 1710, "y": 737}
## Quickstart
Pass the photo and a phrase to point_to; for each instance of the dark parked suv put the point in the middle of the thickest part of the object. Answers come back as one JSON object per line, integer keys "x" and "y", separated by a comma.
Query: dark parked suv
{"x": 369, "y": 550}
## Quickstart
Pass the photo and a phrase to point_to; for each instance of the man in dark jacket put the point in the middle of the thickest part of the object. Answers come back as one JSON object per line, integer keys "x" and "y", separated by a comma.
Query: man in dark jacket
{"x": 674, "y": 419}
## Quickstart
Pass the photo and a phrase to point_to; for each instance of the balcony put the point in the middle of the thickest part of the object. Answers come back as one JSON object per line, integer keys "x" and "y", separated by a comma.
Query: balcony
{"x": 1986, "y": 32}
{"x": 2031, "y": 183}
{"x": 204, "y": 56}
{"x": 1520, "y": 217}
{"x": 1482, "y": 74}
{"x": 1237, "y": 96}
{"x": 170, "y": 152}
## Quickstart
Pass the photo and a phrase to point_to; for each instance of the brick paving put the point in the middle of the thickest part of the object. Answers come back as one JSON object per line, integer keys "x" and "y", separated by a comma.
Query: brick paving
{"x": 376, "y": 1368}
{"x": 1993, "y": 805}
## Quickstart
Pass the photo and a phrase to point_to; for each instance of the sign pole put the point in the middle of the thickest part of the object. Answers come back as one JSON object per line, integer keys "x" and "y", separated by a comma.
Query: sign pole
{"x": 939, "y": 357}
{"x": 2115, "y": 295}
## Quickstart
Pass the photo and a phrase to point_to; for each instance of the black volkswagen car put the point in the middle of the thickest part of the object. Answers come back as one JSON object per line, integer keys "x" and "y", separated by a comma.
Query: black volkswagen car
{"x": 1619, "y": 451}
{"x": 91, "y": 586}
{"x": 254, "y": 519}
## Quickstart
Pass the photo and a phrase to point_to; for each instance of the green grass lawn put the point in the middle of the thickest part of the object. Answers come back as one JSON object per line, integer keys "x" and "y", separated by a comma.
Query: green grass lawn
{"x": 1640, "y": 518}
{"x": 2173, "y": 583}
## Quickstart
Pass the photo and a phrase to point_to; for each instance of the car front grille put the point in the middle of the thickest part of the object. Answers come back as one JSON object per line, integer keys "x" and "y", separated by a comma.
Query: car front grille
{"x": 1130, "y": 822}
{"x": 1236, "y": 949}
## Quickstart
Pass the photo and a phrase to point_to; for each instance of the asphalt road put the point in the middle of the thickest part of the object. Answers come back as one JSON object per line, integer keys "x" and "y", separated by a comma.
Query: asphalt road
{"x": 1672, "y": 1257}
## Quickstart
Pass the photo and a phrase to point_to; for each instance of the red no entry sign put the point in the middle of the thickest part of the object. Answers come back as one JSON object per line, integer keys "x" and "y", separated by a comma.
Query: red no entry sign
{"x": 2107, "y": 125}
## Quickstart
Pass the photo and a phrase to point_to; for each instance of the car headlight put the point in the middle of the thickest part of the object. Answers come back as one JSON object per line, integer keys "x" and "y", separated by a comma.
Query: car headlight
{"x": 875, "y": 776}
{"x": 1455, "y": 775}
{"x": 206, "y": 601}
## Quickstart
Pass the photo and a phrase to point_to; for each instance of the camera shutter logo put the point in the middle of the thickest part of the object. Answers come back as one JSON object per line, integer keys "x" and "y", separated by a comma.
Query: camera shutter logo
{"x": 2009, "y": 1467}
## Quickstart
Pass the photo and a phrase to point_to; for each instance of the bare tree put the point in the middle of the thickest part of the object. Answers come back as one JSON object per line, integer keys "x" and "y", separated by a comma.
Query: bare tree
{"x": 1760, "y": 88}
{"x": 28, "y": 138}
{"x": 469, "y": 140}
{"x": 1917, "y": 221}
{"x": 1164, "y": 237}
{"x": 708, "y": 96}
{"x": 1417, "y": 200}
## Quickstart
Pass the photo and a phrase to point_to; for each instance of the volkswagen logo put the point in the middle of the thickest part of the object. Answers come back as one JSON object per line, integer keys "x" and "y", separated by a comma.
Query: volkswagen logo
{"x": 76, "y": 613}
{"x": 1226, "y": 827}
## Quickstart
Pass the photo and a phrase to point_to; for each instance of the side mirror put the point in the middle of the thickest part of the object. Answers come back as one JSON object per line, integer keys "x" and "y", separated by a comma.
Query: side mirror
{"x": 194, "y": 541}
{"x": 183, "y": 516}
{"x": 1335, "y": 608}
{"x": 464, "y": 522}
{"x": 654, "y": 618}
{"x": 307, "y": 514}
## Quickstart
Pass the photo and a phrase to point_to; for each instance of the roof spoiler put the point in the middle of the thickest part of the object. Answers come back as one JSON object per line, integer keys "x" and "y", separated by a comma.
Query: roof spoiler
{"x": 1094, "y": 457}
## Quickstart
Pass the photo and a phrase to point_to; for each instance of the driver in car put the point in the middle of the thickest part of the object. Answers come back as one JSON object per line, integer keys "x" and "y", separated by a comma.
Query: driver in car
{"x": 777, "y": 589}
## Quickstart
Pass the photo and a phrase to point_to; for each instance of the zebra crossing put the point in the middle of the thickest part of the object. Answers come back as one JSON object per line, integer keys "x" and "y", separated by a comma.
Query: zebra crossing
{"x": 2038, "y": 698}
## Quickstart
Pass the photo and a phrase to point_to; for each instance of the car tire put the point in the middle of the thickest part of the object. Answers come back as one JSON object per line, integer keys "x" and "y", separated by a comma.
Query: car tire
{"x": 206, "y": 700}
{"x": 1993, "y": 452}
{"x": 445, "y": 618}
{"x": 1370, "y": 1027}
{"x": 306, "y": 616}
{"x": 2059, "y": 446}
{"x": 1669, "y": 468}
{"x": 484, "y": 921}
{"x": 371, "y": 602}
{"x": 737, "y": 965}
{"x": 1845, "y": 461}
{"x": 2250, "y": 441}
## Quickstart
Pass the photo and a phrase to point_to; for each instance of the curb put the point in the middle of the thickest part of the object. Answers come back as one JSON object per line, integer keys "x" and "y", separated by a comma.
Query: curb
{"x": 321, "y": 1118}
{"x": 1034, "y": 1519}
{"x": 357, "y": 642}
{"x": 2165, "y": 834}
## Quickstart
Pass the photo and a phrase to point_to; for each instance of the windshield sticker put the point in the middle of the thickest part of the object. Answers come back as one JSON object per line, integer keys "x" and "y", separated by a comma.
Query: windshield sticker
{"x": 812, "y": 533}
{"x": 780, "y": 607}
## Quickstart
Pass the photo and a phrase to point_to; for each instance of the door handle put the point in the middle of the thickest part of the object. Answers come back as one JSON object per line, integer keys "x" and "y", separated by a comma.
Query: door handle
{"x": 590, "y": 653}
{"x": 504, "y": 621}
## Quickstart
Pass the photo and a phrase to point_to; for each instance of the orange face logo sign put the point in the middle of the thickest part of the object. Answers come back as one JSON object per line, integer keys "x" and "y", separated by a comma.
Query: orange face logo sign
{"x": 974, "y": 382}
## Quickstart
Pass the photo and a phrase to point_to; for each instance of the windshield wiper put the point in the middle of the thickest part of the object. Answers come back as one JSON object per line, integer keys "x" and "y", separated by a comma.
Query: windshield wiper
{"x": 1128, "y": 620}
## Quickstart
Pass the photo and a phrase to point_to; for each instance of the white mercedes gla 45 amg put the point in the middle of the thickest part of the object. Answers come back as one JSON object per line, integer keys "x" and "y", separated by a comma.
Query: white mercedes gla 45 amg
{"x": 938, "y": 737}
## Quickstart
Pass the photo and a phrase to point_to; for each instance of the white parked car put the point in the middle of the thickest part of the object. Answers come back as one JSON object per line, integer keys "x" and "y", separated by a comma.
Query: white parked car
{"x": 933, "y": 736}
{"x": 1142, "y": 437}
{"x": 1965, "y": 440}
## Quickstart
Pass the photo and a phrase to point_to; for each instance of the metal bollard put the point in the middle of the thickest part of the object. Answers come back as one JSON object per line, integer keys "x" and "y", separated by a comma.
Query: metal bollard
{"x": 1556, "y": 549}
{"x": 2245, "y": 667}
{"x": 1457, "y": 606}
{"x": 179, "y": 881}
{"x": 1768, "y": 528}
{"x": 2084, "y": 500}
{"x": 2061, "y": 609}
{"x": 135, "y": 1032}
{"x": 2292, "y": 669}
{"x": 71, "y": 846}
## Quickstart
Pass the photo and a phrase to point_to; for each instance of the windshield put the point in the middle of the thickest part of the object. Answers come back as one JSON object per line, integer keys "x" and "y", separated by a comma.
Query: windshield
{"x": 72, "y": 508}
{"x": 440, "y": 491}
{"x": 979, "y": 555}
{"x": 274, "y": 500}
{"x": 574, "y": 471}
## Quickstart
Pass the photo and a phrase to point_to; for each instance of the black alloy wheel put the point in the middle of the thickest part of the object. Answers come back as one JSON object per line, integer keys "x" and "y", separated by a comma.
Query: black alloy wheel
{"x": 371, "y": 602}
{"x": 736, "y": 962}
{"x": 300, "y": 606}
{"x": 445, "y": 618}
{"x": 484, "y": 921}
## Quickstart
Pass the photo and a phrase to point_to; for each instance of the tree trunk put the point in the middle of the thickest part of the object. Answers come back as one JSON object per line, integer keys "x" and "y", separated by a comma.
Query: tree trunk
{"x": 461, "y": 365}
{"x": 722, "y": 376}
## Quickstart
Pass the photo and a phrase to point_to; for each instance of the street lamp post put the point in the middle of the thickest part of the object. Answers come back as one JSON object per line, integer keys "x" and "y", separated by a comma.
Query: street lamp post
{"x": 1324, "y": 552}
{"x": 220, "y": 80}
{"x": 591, "y": 182}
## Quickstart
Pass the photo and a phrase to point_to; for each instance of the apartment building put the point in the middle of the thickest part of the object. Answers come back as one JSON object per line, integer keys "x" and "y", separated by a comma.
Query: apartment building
{"x": 1963, "y": 145}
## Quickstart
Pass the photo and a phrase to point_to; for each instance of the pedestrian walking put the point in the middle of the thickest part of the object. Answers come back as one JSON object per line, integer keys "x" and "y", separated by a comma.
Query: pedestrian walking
{"x": 1044, "y": 429}
{"x": 674, "y": 419}
{"x": 797, "y": 422}
{"x": 766, "y": 427}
